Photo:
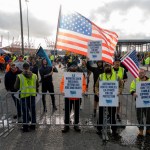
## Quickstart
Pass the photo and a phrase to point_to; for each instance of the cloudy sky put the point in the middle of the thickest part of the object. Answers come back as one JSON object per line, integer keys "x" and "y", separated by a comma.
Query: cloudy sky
{"x": 130, "y": 19}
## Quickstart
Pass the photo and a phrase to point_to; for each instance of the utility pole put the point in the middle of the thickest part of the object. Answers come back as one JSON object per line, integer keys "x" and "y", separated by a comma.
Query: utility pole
{"x": 21, "y": 24}
{"x": 28, "y": 23}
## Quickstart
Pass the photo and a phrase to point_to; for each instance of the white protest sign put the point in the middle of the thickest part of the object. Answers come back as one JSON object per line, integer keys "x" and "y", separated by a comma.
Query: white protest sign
{"x": 73, "y": 85}
{"x": 108, "y": 91}
{"x": 143, "y": 94}
{"x": 95, "y": 50}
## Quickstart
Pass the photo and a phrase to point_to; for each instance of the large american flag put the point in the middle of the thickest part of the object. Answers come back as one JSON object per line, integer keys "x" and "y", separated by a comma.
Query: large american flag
{"x": 131, "y": 62}
{"x": 75, "y": 31}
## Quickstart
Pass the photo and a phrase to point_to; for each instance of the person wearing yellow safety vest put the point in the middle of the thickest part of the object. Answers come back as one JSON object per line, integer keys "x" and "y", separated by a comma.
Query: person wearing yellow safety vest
{"x": 108, "y": 75}
{"x": 14, "y": 58}
{"x": 147, "y": 61}
{"x": 121, "y": 73}
{"x": 52, "y": 58}
{"x": 27, "y": 84}
{"x": 141, "y": 112}
{"x": 70, "y": 61}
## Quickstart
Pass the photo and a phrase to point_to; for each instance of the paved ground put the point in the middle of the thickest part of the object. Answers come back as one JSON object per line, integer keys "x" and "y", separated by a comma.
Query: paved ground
{"x": 49, "y": 136}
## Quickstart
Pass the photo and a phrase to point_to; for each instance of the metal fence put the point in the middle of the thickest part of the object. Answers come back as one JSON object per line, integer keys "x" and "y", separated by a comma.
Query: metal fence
{"x": 51, "y": 117}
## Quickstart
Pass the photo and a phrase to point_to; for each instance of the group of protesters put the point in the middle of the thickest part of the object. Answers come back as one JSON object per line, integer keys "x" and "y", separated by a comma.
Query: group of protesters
{"x": 22, "y": 74}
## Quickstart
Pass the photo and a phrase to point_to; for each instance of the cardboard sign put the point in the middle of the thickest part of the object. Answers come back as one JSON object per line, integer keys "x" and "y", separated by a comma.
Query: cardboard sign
{"x": 73, "y": 85}
{"x": 143, "y": 94}
{"x": 95, "y": 50}
{"x": 108, "y": 91}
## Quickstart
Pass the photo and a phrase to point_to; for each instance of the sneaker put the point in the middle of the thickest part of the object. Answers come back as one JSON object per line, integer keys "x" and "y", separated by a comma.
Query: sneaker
{"x": 77, "y": 129}
{"x": 66, "y": 129}
{"x": 140, "y": 133}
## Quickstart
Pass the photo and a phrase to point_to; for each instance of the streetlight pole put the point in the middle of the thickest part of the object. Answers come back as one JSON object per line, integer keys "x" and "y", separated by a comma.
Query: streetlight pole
{"x": 28, "y": 22}
{"x": 21, "y": 24}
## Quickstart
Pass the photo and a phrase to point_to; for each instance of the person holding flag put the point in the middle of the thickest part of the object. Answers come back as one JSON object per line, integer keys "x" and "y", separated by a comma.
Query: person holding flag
{"x": 96, "y": 72}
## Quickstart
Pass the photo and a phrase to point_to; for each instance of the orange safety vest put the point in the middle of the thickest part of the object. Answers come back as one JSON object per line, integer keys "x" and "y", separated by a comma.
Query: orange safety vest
{"x": 2, "y": 60}
{"x": 83, "y": 87}
{"x": 7, "y": 68}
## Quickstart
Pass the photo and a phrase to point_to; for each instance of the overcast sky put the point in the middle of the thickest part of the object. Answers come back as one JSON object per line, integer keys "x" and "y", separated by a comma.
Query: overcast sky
{"x": 130, "y": 19}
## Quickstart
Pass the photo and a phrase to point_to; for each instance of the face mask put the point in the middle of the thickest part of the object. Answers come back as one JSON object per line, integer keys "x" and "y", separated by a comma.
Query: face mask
{"x": 108, "y": 70}
{"x": 73, "y": 69}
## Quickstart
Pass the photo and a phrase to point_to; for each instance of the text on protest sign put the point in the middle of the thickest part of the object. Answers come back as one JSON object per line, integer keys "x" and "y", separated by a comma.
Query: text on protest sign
{"x": 95, "y": 50}
{"x": 73, "y": 84}
{"x": 143, "y": 94}
{"x": 108, "y": 91}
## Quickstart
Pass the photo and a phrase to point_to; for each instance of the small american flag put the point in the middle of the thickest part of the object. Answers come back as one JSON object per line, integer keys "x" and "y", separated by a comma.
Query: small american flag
{"x": 75, "y": 31}
{"x": 131, "y": 62}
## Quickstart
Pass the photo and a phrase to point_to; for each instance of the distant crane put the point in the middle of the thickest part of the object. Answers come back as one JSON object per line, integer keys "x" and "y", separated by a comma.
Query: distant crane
{"x": 49, "y": 44}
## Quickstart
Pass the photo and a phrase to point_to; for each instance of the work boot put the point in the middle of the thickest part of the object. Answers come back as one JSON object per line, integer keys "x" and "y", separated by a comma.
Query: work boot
{"x": 77, "y": 129}
{"x": 54, "y": 108}
{"x": 25, "y": 128}
{"x": 140, "y": 133}
{"x": 114, "y": 133}
{"x": 45, "y": 109}
{"x": 94, "y": 113}
{"x": 15, "y": 116}
{"x": 118, "y": 118}
{"x": 148, "y": 132}
{"x": 66, "y": 129}
{"x": 32, "y": 127}
{"x": 99, "y": 132}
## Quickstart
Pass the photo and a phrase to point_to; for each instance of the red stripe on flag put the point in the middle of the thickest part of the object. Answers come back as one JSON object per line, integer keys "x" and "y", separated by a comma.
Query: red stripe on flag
{"x": 133, "y": 64}
{"x": 133, "y": 73}
{"x": 71, "y": 50}
{"x": 72, "y": 43}
{"x": 130, "y": 68}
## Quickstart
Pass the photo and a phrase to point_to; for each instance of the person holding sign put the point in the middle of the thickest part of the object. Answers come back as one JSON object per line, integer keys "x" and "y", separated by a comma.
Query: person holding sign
{"x": 96, "y": 71}
{"x": 147, "y": 61}
{"x": 108, "y": 75}
{"x": 121, "y": 73}
{"x": 72, "y": 101}
{"x": 140, "y": 111}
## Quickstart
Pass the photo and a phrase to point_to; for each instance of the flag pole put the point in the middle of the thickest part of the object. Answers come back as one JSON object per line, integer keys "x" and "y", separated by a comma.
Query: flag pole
{"x": 57, "y": 30}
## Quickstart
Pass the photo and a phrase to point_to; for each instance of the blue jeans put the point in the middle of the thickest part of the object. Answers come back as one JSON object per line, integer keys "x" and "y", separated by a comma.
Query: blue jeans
{"x": 28, "y": 104}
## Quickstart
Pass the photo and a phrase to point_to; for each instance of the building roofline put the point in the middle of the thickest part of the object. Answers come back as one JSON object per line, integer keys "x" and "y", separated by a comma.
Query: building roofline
{"x": 133, "y": 41}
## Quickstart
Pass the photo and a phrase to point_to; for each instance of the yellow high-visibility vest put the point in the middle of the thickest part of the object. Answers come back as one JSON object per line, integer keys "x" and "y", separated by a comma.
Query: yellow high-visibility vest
{"x": 27, "y": 85}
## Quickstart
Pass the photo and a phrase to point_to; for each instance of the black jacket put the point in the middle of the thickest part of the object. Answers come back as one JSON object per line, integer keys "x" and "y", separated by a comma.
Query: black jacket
{"x": 10, "y": 78}
{"x": 45, "y": 71}
{"x": 34, "y": 69}
{"x": 96, "y": 71}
